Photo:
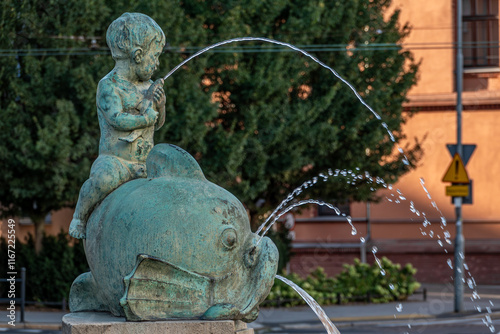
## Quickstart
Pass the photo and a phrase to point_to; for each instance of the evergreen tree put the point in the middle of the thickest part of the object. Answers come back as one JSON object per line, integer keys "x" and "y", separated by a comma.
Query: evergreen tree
{"x": 260, "y": 122}
{"x": 283, "y": 119}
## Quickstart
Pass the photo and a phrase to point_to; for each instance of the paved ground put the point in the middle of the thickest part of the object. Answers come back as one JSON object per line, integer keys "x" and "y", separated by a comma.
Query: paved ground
{"x": 414, "y": 316}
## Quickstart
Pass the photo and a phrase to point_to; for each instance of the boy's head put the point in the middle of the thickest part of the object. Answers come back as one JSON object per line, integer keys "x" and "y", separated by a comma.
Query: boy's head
{"x": 131, "y": 31}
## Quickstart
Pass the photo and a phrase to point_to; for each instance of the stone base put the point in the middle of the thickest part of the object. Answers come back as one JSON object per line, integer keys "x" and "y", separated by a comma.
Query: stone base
{"x": 100, "y": 322}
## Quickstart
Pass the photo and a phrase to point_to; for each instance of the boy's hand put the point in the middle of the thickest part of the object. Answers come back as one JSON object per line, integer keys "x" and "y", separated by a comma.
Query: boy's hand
{"x": 159, "y": 95}
{"x": 156, "y": 94}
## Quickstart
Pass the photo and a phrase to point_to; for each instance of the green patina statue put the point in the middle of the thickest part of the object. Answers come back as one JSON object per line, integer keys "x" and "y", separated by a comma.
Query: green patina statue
{"x": 162, "y": 242}
{"x": 129, "y": 108}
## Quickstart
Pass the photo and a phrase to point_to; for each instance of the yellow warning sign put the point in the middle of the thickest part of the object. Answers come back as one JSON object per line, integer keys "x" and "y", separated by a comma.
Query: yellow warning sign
{"x": 456, "y": 172}
{"x": 457, "y": 191}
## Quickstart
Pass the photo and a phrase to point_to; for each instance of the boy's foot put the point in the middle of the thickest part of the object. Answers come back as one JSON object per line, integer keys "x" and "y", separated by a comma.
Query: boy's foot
{"x": 77, "y": 229}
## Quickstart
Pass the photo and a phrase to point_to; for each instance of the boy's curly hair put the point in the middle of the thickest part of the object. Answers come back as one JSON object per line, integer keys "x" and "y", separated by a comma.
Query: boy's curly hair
{"x": 132, "y": 30}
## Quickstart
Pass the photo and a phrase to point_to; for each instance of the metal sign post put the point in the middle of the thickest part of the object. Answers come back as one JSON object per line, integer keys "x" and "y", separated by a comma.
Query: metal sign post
{"x": 459, "y": 238}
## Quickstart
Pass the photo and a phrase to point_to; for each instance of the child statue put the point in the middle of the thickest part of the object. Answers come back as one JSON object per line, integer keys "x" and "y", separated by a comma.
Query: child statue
{"x": 130, "y": 107}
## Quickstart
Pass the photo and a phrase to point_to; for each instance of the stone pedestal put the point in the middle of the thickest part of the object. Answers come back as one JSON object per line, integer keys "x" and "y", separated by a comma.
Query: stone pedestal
{"x": 100, "y": 322}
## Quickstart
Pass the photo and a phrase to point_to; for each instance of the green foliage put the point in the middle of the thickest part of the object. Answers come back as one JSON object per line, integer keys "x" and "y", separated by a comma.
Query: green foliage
{"x": 383, "y": 283}
{"x": 283, "y": 112}
{"x": 357, "y": 282}
{"x": 51, "y": 272}
{"x": 260, "y": 123}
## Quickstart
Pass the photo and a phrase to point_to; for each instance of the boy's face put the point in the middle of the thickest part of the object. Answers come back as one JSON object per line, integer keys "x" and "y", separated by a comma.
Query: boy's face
{"x": 149, "y": 63}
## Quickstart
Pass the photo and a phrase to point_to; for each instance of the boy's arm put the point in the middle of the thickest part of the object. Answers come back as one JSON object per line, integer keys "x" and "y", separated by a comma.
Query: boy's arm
{"x": 111, "y": 107}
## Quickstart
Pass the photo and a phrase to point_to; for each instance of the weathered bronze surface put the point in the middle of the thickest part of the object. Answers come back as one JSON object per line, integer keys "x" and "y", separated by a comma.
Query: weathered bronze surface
{"x": 129, "y": 108}
{"x": 162, "y": 242}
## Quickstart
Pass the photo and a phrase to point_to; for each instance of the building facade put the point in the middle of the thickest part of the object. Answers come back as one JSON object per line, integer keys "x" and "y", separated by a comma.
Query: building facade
{"x": 395, "y": 229}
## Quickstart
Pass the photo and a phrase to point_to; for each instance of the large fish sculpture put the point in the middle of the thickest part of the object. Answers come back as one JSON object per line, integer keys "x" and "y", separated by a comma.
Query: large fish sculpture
{"x": 171, "y": 246}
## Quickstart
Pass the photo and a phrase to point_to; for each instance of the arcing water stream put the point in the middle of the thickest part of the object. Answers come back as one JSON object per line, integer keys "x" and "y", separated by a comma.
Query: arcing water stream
{"x": 284, "y": 206}
{"x": 329, "y": 326}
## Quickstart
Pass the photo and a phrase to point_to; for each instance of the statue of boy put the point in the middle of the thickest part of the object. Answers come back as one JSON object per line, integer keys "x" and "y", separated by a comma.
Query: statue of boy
{"x": 130, "y": 107}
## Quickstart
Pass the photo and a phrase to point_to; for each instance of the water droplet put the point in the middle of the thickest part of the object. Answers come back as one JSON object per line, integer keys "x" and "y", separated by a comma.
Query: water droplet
{"x": 475, "y": 295}
{"x": 440, "y": 243}
{"x": 462, "y": 256}
{"x": 399, "y": 307}
{"x": 362, "y": 240}
{"x": 466, "y": 266}
{"x": 443, "y": 220}
{"x": 402, "y": 198}
{"x": 374, "y": 250}
{"x": 471, "y": 285}
{"x": 409, "y": 326}
{"x": 391, "y": 286}
{"x": 488, "y": 309}
{"x": 431, "y": 234}
{"x": 478, "y": 308}
{"x": 491, "y": 303}
{"x": 382, "y": 272}
{"x": 450, "y": 264}
{"x": 354, "y": 231}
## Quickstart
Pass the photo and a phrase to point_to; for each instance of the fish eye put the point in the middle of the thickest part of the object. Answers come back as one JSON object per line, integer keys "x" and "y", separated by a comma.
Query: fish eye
{"x": 229, "y": 238}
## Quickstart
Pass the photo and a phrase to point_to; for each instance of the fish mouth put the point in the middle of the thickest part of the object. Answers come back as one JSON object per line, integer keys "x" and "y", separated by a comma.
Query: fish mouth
{"x": 262, "y": 261}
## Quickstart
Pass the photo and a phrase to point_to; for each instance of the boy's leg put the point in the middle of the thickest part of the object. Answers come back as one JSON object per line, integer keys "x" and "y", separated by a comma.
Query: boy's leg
{"x": 107, "y": 174}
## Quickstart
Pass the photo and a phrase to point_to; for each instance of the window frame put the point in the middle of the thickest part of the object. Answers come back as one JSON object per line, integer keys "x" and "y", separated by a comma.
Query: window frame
{"x": 473, "y": 45}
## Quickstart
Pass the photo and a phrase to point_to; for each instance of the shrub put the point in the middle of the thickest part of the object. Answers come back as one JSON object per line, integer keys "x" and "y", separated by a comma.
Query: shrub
{"x": 358, "y": 281}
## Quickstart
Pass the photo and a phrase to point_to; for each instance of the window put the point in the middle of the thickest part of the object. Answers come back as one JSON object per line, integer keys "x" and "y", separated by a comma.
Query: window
{"x": 480, "y": 33}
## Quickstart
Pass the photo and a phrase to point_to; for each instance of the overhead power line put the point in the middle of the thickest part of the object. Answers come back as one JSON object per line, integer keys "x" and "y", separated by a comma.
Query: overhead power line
{"x": 256, "y": 48}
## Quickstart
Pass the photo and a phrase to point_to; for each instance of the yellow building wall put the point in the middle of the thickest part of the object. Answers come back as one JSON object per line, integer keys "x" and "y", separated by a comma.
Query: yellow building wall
{"x": 430, "y": 41}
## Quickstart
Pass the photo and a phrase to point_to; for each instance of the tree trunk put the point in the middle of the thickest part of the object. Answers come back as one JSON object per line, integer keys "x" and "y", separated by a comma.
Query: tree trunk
{"x": 39, "y": 231}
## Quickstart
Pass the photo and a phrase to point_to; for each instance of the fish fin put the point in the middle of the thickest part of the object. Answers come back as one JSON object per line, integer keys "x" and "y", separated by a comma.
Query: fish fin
{"x": 221, "y": 312}
{"x": 252, "y": 315}
{"x": 158, "y": 290}
{"x": 167, "y": 160}
{"x": 84, "y": 295}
